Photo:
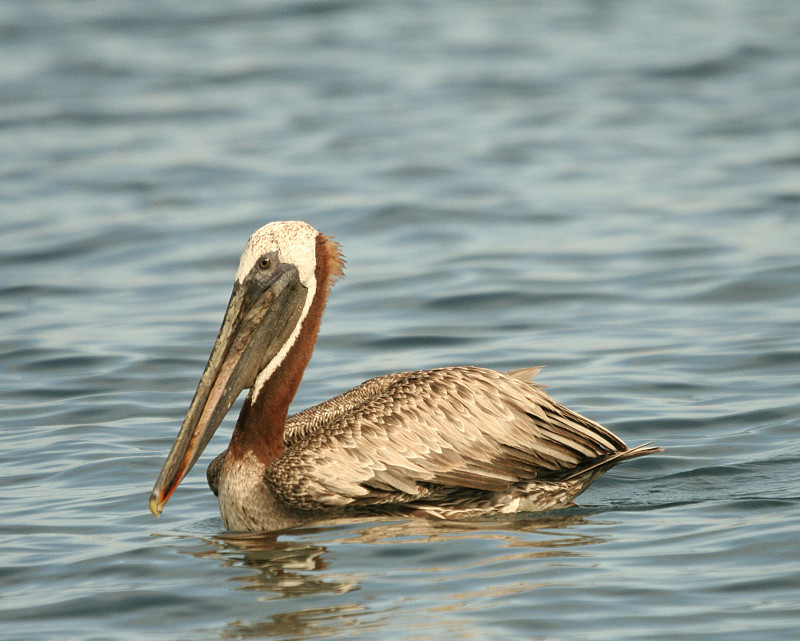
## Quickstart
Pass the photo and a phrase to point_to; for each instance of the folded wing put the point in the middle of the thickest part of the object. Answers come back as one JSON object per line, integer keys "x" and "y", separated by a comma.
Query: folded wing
{"x": 402, "y": 437}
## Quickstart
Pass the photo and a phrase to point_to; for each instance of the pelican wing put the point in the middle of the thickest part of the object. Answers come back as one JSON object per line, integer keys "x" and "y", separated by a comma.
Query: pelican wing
{"x": 405, "y": 436}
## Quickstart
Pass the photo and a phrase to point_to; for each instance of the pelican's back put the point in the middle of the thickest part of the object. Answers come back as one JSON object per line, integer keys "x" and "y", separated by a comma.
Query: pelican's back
{"x": 417, "y": 436}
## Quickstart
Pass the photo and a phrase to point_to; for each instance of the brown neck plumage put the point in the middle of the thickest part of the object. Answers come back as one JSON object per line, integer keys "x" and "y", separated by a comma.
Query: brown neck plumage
{"x": 261, "y": 422}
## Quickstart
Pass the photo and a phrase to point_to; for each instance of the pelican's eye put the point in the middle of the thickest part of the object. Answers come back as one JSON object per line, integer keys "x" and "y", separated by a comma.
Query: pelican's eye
{"x": 264, "y": 263}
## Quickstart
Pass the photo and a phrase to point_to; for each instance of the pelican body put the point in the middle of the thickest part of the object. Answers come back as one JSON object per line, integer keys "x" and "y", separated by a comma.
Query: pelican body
{"x": 453, "y": 442}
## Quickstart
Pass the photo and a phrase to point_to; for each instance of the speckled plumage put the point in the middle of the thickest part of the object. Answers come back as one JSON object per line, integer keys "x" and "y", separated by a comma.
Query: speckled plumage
{"x": 453, "y": 442}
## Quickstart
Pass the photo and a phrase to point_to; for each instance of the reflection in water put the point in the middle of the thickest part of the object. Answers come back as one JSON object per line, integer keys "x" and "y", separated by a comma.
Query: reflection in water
{"x": 311, "y": 623}
{"x": 296, "y": 565}
{"x": 285, "y": 568}
{"x": 506, "y": 529}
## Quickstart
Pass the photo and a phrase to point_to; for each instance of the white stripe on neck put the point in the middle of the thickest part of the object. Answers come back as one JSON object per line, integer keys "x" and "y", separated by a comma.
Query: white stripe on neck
{"x": 266, "y": 373}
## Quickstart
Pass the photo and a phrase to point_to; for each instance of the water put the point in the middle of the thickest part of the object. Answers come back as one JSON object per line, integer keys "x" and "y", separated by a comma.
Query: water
{"x": 607, "y": 189}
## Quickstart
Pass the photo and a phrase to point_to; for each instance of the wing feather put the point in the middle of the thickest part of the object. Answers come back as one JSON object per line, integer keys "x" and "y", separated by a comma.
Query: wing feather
{"x": 395, "y": 437}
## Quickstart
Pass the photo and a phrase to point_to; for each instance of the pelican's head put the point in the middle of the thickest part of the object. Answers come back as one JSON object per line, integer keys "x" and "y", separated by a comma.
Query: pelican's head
{"x": 275, "y": 285}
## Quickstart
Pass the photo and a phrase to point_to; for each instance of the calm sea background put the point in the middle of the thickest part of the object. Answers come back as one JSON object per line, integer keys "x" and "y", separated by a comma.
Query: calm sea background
{"x": 609, "y": 189}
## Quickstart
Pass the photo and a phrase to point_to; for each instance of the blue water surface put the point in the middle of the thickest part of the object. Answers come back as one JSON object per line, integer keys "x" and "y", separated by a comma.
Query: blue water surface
{"x": 611, "y": 190}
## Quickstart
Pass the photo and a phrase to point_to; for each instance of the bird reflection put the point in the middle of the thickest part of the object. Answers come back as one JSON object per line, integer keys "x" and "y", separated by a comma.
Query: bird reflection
{"x": 285, "y": 568}
{"x": 290, "y": 564}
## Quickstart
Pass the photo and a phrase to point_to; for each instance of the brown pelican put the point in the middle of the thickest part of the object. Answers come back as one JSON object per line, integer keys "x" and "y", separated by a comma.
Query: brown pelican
{"x": 453, "y": 442}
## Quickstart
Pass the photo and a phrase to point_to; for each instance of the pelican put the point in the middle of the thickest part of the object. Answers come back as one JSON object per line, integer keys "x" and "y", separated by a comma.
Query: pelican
{"x": 447, "y": 443}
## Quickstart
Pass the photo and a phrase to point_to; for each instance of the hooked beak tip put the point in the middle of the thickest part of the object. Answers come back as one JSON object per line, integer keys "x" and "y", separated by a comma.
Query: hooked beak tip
{"x": 156, "y": 505}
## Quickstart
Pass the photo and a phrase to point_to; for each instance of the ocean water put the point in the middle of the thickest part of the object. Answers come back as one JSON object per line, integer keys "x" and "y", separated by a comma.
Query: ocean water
{"x": 611, "y": 190}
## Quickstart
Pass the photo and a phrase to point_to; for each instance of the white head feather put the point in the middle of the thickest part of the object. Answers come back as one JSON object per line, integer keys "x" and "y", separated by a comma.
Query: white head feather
{"x": 295, "y": 242}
